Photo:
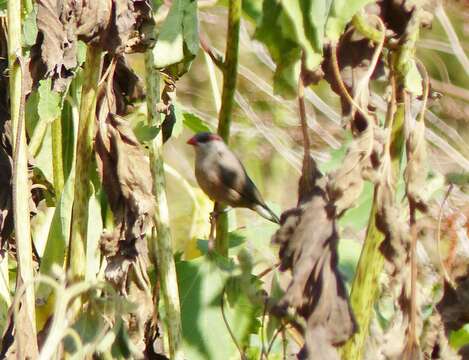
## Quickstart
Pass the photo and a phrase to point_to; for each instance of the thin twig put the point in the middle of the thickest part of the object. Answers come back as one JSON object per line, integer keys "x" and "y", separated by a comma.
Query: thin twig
{"x": 222, "y": 308}
{"x": 262, "y": 329}
{"x": 278, "y": 331}
{"x": 268, "y": 270}
{"x": 215, "y": 56}
{"x": 284, "y": 344}
{"x": 307, "y": 161}
{"x": 446, "y": 275}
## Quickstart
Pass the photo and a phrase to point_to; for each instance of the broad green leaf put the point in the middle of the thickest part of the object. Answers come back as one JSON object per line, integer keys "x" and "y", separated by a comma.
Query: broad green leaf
{"x": 195, "y": 123}
{"x": 178, "y": 40}
{"x": 284, "y": 50}
{"x": 205, "y": 334}
{"x": 459, "y": 338}
{"x": 298, "y": 14}
{"x": 340, "y": 15}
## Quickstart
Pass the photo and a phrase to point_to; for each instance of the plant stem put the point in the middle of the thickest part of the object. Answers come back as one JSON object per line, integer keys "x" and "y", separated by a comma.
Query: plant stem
{"x": 21, "y": 190}
{"x": 230, "y": 71}
{"x": 82, "y": 191}
{"x": 370, "y": 265}
{"x": 57, "y": 153}
{"x": 162, "y": 250}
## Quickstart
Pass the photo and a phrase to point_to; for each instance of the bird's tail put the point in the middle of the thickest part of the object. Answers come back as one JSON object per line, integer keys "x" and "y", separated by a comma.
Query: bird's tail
{"x": 265, "y": 212}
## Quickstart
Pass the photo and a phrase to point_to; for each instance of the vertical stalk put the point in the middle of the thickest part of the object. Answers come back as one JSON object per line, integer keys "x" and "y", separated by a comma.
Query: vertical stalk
{"x": 57, "y": 153}
{"x": 161, "y": 234}
{"x": 21, "y": 191}
{"x": 230, "y": 71}
{"x": 370, "y": 265}
{"x": 82, "y": 191}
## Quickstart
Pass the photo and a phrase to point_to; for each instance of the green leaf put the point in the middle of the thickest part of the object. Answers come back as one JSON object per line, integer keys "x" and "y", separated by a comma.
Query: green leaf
{"x": 201, "y": 283}
{"x": 459, "y": 338}
{"x": 298, "y": 13}
{"x": 30, "y": 28}
{"x": 195, "y": 123}
{"x": 178, "y": 41}
{"x": 144, "y": 132}
{"x": 49, "y": 101}
{"x": 3, "y": 7}
{"x": 413, "y": 80}
{"x": 59, "y": 234}
{"x": 178, "y": 125}
{"x": 341, "y": 13}
{"x": 284, "y": 50}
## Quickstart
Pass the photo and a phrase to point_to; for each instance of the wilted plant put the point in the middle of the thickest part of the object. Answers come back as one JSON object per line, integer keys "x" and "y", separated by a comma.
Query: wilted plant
{"x": 86, "y": 227}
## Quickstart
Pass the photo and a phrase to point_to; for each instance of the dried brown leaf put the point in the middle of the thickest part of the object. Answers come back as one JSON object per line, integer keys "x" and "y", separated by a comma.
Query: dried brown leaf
{"x": 113, "y": 25}
{"x": 415, "y": 175}
{"x": 308, "y": 247}
{"x": 126, "y": 176}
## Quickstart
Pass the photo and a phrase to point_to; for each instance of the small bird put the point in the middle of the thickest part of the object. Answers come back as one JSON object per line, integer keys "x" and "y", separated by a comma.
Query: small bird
{"x": 223, "y": 178}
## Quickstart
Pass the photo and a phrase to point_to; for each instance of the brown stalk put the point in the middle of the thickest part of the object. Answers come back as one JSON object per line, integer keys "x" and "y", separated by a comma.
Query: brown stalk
{"x": 412, "y": 331}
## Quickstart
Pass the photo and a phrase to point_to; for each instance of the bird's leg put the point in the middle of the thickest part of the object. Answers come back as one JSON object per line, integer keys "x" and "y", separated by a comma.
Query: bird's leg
{"x": 213, "y": 224}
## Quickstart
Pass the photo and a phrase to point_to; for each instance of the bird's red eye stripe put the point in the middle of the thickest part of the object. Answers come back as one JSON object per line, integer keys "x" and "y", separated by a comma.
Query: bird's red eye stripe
{"x": 215, "y": 137}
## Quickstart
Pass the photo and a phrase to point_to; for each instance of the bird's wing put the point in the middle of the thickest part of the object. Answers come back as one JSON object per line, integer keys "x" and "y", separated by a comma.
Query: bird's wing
{"x": 234, "y": 176}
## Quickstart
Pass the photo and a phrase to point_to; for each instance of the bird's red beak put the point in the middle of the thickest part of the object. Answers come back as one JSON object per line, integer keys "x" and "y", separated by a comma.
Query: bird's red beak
{"x": 192, "y": 141}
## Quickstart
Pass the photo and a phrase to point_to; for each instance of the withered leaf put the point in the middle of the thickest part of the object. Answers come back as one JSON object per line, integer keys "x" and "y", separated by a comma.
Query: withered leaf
{"x": 415, "y": 175}
{"x": 125, "y": 171}
{"x": 308, "y": 247}
{"x": 114, "y": 25}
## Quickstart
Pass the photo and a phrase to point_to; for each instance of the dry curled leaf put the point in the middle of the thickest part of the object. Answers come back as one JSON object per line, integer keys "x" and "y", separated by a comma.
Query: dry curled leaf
{"x": 124, "y": 169}
{"x": 308, "y": 247}
{"x": 113, "y": 25}
{"x": 129, "y": 187}
{"x": 415, "y": 175}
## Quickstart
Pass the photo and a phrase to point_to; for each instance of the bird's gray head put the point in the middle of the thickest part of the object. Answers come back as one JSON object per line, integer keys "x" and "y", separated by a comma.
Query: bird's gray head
{"x": 204, "y": 141}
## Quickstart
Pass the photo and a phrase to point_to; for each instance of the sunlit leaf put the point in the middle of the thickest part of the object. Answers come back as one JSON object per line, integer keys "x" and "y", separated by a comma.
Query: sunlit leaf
{"x": 178, "y": 40}
{"x": 201, "y": 283}
{"x": 341, "y": 13}
{"x": 413, "y": 80}
{"x": 459, "y": 338}
{"x": 195, "y": 123}
{"x": 29, "y": 28}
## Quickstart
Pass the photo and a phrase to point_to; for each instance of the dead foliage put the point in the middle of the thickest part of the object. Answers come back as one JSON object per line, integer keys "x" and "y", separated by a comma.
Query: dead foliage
{"x": 124, "y": 169}
{"x": 116, "y": 26}
{"x": 308, "y": 248}
{"x": 128, "y": 187}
